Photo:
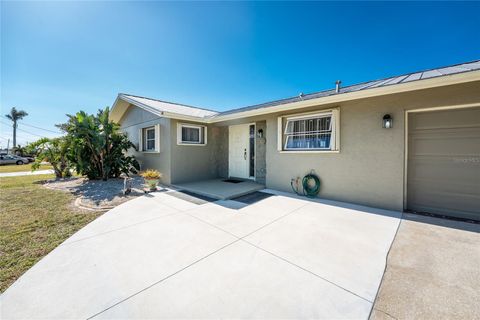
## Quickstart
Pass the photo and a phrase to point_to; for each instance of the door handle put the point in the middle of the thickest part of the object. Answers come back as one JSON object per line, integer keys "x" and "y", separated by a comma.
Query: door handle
{"x": 245, "y": 154}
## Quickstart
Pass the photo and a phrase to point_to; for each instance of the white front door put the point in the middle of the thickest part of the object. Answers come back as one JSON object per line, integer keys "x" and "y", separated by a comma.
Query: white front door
{"x": 238, "y": 151}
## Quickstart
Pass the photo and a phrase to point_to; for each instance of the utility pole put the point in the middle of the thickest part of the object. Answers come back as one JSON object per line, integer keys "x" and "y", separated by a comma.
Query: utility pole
{"x": 15, "y": 133}
{"x": 8, "y": 144}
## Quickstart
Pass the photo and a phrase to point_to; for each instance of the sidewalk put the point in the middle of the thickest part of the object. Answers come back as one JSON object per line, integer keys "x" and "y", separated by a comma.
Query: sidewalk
{"x": 25, "y": 173}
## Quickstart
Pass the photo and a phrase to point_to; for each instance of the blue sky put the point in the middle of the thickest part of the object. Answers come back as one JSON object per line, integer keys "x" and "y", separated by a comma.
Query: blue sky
{"x": 60, "y": 57}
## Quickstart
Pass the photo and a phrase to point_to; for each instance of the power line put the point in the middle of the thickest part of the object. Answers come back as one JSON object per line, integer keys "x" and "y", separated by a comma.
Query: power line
{"x": 7, "y": 124}
{"x": 57, "y": 132}
{"x": 19, "y": 136}
{"x": 33, "y": 134}
{"x": 29, "y": 125}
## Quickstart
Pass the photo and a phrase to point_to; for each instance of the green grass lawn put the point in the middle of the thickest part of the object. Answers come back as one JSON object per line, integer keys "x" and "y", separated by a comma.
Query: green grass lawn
{"x": 22, "y": 167}
{"x": 33, "y": 221}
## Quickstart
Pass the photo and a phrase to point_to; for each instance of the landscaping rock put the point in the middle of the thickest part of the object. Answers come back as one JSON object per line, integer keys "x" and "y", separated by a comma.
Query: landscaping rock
{"x": 98, "y": 194}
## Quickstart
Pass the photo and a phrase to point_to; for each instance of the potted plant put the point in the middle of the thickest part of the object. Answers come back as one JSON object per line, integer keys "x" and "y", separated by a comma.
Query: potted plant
{"x": 151, "y": 178}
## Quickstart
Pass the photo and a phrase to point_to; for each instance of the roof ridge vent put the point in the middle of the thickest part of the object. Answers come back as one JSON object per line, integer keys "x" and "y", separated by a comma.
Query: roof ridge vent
{"x": 337, "y": 86}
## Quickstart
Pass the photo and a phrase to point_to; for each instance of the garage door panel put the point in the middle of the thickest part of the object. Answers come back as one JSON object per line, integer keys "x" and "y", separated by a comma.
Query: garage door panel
{"x": 460, "y": 204}
{"x": 447, "y": 169}
{"x": 446, "y": 202}
{"x": 458, "y": 118}
{"x": 432, "y": 188}
{"x": 443, "y": 173}
{"x": 465, "y": 143}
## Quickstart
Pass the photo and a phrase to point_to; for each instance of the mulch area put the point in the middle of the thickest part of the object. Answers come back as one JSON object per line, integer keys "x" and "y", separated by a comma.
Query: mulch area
{"x": 98, "y": 194}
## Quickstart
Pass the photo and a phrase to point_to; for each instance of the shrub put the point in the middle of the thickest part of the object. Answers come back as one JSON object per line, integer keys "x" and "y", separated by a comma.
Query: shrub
{"x": 97, "y": 147}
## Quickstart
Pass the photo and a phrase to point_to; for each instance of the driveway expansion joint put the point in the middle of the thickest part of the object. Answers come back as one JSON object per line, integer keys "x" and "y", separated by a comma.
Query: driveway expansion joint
{"x": 135, "y": 224}
{"x": 279, "y": 257}
{"x": 205, "y": 257}
{"x": 275, "y": 220}
{"x": 117, "y": 229}
{"x": 385, "y": 269}
{"x": 250, "y": 233}
{"x": 306, "y": 270}
{"x": 213, "y": 224}
{"x": 164, "y": 278}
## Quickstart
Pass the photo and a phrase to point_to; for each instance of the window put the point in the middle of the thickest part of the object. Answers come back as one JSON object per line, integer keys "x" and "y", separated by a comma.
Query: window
{"x": 191, "y": 134}
{"x": 149, "y": 139}
{"x": 312, "y": 132}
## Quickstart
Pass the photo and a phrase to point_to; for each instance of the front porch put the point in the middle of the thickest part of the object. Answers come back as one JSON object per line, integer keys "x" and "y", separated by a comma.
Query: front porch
{"x": 222, "y": 189}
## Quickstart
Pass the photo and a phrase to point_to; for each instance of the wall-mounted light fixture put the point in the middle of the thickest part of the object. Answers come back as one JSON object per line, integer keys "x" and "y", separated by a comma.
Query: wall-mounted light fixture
{"x": 260, "y": 133}
{"x": 387, "y": 121}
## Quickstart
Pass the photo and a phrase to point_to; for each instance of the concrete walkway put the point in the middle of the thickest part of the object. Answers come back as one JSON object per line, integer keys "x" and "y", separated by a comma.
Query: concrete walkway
{"x": 433, "y": 271}
{"x": 159, "y": 256}
{"x": 220, "y": 189}
{"x": 25, "y": 173}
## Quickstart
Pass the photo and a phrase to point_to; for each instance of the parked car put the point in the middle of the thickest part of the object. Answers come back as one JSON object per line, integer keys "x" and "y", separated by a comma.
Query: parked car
{"x": 11, "y": 159}
{"x": 29, "y": 158}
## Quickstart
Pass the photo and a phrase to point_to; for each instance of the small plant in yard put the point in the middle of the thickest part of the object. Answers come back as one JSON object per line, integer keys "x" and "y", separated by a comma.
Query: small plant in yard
{"x": 151, "y": 178}
{"x": 54, "y": 151}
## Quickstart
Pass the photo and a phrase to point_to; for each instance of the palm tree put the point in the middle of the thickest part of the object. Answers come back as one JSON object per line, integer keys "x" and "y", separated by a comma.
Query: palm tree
{"x": 14, "y": 116}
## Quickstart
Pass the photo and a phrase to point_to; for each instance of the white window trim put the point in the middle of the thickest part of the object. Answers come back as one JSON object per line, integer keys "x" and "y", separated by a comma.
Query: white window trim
{"x": 189, "y": 125}
{"x": 157, "y": 139}
{"x": 335, "y": 132}
{"x": 146, "y": 131}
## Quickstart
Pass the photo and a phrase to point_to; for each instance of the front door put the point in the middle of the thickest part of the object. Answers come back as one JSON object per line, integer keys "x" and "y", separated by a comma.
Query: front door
{"x": 239, "y": 151}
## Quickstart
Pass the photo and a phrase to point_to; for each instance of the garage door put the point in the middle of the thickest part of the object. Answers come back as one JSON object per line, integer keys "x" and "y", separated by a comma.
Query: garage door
{"x": 444, "y": 162}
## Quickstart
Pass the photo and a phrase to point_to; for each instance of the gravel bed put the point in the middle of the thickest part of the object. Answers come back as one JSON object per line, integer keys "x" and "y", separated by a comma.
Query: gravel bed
{"x": 98, "y": 194}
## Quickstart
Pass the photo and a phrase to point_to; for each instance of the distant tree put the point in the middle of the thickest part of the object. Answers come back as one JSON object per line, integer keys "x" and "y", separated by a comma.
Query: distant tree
{"x": 19, "y": 151}
{"x": 97, "y": 147}
{"x": 31, "y": 148}
{"x": 54, "y": 151}
{"x": 14, "y": 116}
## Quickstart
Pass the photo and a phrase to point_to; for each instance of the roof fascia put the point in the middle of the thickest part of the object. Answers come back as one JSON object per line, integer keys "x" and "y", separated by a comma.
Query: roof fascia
{"x": 114, "y": 106}
{"x": 141, "y": 105}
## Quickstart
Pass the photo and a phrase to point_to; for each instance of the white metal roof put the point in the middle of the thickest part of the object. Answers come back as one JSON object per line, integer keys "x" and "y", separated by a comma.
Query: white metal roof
{"x": 409, "y": 77}
{"x": 188, "y": 112}
{"x": 169, "y": 107}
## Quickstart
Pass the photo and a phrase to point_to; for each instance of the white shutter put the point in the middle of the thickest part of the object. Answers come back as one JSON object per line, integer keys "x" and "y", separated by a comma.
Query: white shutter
{"x": 140, "y": 140}
{"x": 179, "y": 133}
{"x": 279, "y": 134}
{"x": 205, "y": 134}
{"x": 157, "y": 137}
{"x": 335, "y": 130}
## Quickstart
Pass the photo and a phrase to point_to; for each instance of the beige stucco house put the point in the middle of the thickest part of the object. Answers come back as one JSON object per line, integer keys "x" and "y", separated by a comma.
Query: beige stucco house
{"x": 409, "y": 142}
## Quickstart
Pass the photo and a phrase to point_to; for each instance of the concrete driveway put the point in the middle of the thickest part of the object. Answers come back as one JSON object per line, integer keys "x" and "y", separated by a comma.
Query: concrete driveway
{"x": 160, "y": 256}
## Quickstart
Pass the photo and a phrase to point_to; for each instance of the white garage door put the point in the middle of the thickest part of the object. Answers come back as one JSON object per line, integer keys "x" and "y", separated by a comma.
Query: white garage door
{"x": 444, "y": 162}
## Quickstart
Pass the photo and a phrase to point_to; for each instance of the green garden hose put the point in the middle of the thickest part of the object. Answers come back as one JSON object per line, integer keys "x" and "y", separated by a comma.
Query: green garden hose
{"x": 309, "y": 190}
